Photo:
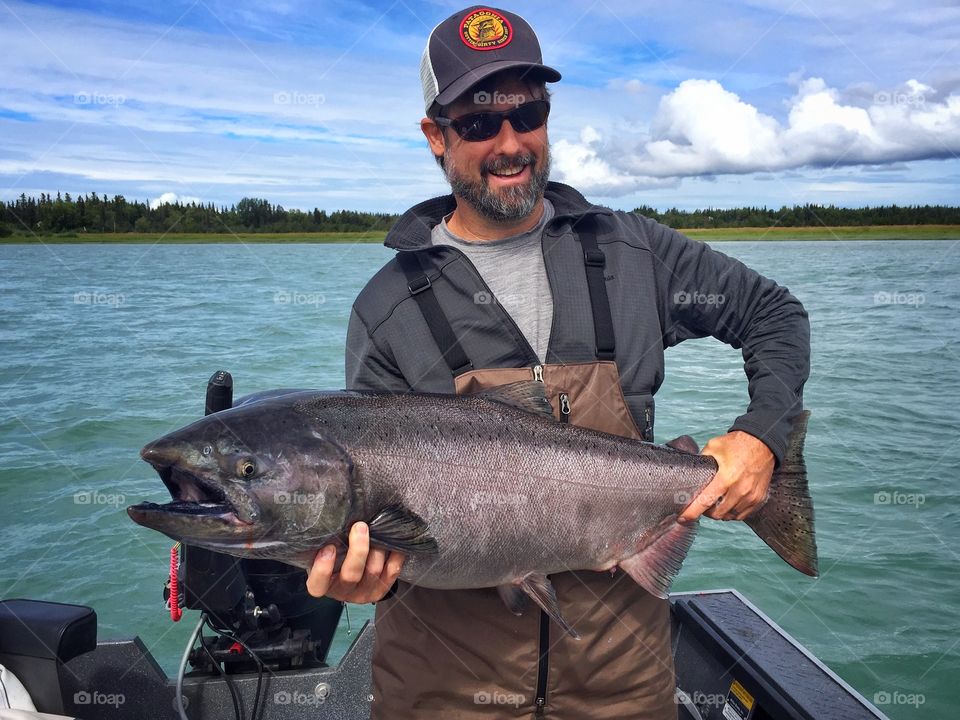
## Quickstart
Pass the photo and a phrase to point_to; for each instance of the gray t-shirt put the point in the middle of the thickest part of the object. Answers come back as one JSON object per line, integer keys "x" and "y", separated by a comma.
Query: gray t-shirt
{"x": 513, "y": 269}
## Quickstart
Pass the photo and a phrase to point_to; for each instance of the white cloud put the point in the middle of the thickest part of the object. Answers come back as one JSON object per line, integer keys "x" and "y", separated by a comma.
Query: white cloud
{"x": 169, "y": 198}
{"x": 239, "y": 99}
{"x": 701, "y": 128}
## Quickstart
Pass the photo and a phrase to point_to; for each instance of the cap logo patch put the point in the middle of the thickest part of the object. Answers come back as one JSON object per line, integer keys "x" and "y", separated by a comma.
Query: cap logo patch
{"x": 485, "y": 29}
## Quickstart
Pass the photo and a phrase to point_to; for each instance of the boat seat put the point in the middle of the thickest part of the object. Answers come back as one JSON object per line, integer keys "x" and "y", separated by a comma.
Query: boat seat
{"x": 15, "y": 702}
{"x": 36, "y": 639}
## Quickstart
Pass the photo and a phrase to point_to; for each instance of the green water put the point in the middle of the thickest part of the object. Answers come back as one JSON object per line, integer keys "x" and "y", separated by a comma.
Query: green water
{"x": 107, "y": 347}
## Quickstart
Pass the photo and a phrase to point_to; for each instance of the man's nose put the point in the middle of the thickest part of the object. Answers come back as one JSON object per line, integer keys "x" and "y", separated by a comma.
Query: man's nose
{"x": 507, "y": 140}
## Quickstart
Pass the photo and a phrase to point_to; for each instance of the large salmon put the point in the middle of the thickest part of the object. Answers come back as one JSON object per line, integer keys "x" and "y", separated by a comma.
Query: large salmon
{"x": 484, "y": 490}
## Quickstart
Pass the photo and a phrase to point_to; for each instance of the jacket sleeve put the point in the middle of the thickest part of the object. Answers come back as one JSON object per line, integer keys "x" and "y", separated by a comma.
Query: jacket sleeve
{"x": 704, "y": 292}
{"x": 369, "y": 366}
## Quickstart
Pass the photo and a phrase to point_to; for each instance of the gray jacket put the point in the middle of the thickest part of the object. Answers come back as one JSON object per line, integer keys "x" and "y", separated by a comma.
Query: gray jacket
{"x": 663, "y": 287}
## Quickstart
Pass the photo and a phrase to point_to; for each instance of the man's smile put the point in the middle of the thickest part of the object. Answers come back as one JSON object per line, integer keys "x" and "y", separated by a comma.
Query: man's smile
{"x": 508, "y": 171}
{"x": 514, "y": 175}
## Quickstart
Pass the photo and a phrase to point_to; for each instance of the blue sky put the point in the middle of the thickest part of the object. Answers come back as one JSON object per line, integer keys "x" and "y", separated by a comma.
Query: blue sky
{"x": 686, "y": 104}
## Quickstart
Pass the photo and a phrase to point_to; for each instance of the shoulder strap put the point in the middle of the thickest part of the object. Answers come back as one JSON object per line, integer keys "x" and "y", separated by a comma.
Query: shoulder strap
{"x": 420, "y": 287}
{"x": 594, "y": 262}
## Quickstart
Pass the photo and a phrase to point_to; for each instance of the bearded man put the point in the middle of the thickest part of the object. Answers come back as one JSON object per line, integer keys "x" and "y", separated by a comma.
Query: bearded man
{"x": 510, "y": 277}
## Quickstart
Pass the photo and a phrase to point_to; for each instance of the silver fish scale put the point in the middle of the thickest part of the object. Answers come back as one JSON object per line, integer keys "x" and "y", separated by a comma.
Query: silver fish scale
{"x": 506, "y": 492}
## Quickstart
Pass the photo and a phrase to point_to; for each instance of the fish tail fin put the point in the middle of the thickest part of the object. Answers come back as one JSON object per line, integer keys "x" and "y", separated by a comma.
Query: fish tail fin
{"x": 785, "y": 522}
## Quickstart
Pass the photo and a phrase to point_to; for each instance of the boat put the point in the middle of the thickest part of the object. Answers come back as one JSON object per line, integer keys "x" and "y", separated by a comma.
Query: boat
{"x": 732, "y": 662}
{"x": 266, "y": 655}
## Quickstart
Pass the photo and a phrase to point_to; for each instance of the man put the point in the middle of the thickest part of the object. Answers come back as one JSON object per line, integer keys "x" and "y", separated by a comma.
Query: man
{"x": 509, "y": 277}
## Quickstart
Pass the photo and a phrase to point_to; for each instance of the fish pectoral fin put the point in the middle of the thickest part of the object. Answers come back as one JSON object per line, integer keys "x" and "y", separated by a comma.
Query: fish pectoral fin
{"x": 397, "y": 528}
{"x": 513, "y": 597}
{"x": 539, "y": 587}
{"x": 686, "y": 444}
{"x": 658, "y": 561}
{"x": 527, "y": 395}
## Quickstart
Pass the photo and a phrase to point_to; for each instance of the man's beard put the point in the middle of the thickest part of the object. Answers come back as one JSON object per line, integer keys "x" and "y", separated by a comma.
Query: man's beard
{"x": 510, "y": 203}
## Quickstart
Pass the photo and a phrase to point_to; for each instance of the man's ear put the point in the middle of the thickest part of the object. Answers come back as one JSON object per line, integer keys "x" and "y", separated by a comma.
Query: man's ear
{"x": 434, "y": 135}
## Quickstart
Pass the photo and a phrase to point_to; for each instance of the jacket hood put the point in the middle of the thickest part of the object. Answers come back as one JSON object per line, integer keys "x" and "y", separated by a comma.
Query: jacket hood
{"x": 412, "y": 230}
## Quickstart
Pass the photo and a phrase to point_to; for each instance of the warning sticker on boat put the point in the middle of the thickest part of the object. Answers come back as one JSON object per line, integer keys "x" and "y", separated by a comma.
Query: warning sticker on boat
{"x": 739, "y": 704}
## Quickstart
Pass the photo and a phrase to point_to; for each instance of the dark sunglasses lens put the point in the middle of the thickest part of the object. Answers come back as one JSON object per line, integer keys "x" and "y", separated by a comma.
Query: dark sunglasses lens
{"x": 478, "y": 126}
{"x": 485, "y": 125}
{"x": 530, "y": 116}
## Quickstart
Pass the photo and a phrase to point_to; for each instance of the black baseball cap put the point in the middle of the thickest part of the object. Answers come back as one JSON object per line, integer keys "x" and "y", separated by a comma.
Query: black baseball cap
{"x": 473, "y": 44}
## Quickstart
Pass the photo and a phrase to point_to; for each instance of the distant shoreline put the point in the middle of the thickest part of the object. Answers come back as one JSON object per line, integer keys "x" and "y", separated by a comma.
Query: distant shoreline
{"x": 774, "y": 234}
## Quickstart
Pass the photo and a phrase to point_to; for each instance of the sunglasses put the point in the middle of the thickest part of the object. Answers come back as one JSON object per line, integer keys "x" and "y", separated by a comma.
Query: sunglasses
{"x": 478, "y": 126}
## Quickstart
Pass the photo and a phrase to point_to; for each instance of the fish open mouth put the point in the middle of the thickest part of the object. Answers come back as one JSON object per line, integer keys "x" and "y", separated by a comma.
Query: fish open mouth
{"x": 192, "y": 496}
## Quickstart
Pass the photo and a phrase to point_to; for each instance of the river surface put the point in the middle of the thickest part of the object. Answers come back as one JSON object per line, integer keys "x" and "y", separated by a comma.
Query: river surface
{"x": 107, "y": 347}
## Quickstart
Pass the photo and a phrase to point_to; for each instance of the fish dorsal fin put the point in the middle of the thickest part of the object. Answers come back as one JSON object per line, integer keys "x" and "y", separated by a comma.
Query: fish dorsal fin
{"x": 527, "y": 395}
{"x": 684, "y": 443}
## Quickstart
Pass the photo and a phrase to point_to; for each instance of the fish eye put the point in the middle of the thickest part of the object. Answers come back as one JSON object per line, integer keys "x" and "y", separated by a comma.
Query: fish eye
{"x": 246, "y": 468}
{"x": 207, "y": 450}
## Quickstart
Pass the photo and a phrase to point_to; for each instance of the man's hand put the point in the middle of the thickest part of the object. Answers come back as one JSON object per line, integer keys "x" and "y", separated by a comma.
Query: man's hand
{"x": 740, "y": 485}
{"x": 365, "y": 576}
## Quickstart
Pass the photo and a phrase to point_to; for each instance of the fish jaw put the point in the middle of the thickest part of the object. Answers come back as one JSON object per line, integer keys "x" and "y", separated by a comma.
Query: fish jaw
{"x": 298, "y": 495}
{"x": 201, "y": 507}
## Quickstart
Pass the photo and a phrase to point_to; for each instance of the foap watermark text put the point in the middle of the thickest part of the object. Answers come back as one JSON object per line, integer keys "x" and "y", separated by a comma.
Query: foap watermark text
{"x": 910, "y": 299}
{"x": 498, "y": 98}
{"x": 695, "y": 297}
{"x": 294, "y": 498}
{"x": 496, "y": 697}
{"x": 85, "y": 697}
{"x": 295, "y": 97}
{"x": 492, "y": 497}
{"x": 98, "y": 98}
{"x": 285, "y": 697}
{"x": 96, "y": 497}
{"x": 286, "y": 297}
{"x": 895, "y": 697}
{"x": 898, "y": 497}
{"x": 92, "y": 297}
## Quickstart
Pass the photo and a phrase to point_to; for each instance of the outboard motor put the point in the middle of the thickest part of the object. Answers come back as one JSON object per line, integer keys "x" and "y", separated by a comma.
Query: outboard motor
{"x": 262, "y": 603}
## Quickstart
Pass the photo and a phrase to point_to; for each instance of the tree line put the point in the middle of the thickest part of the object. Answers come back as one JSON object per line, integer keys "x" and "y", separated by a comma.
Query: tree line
{"x": 94, "y": 213}
{"x": 805, "y": 216}
{"x": 99, "y": 214}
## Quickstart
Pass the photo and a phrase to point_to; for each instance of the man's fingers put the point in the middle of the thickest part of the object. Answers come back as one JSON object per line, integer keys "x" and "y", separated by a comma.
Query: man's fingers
{"x": 381, "y": 572}
{"x": 392, "y": 570}
{"x": 703, "y": 502}
{"x": 365, "y": 575}
{"x": 369, "y": 587}
{"x": 749, "y": 505}
{"x": 375, "y": 563}
{"x": 351, "y": 572}
{"x": 389, "y": 575}
{"x": 318, "y": 580}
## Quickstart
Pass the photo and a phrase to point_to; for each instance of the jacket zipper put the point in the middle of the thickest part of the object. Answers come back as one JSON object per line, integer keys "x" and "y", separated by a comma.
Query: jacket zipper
{"x": 543, "y": 646}
{"x": 537, "y": 369}
{"x": 550, "y": 284}
{"x": 543, "y": 665}
{"x": 648, "y": 430}
{"x": 564, "y": 407}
